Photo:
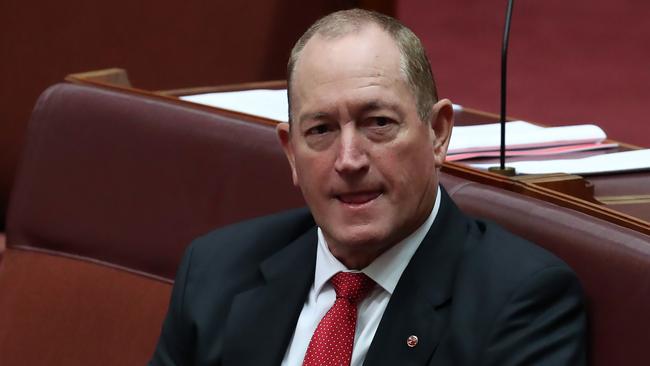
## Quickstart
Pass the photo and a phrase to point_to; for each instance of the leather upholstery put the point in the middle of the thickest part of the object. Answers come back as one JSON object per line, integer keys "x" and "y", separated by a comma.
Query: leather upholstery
{"x": 56, "y": 309}
{"x": 114, "y": 185}
{"x": 131, "y": 180}
{"x": 111, "y": 189}
{"x": 612, "y": 262}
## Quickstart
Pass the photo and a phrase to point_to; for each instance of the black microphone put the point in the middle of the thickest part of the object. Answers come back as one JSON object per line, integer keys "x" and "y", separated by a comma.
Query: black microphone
{"x": 502, "y": 169}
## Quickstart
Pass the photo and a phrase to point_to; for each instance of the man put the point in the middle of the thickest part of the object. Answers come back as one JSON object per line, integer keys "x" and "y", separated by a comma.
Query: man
{"x": 383, "y": 269}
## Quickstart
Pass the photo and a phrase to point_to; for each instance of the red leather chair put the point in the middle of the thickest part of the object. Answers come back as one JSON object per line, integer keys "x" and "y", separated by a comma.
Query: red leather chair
{"x": 111, "y": 188}
{"x": 130, "y": 179}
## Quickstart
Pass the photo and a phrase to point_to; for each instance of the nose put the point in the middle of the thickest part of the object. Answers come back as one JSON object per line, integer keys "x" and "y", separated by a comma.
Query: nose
{"x": 352, "y": 156}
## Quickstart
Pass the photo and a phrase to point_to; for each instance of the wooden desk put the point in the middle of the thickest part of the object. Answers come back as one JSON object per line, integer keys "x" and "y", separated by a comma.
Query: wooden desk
{"x": 623, "y": 198}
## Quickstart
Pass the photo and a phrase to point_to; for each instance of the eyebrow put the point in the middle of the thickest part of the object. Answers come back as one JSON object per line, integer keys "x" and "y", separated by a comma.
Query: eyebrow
{"x": 367, "y": 107}
{"x": 375, "y": 104}
{"x": 313, "y": 116}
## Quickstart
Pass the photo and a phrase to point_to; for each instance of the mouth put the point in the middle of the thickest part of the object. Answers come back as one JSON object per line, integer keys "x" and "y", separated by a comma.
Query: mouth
{"x": 356, "y": 199}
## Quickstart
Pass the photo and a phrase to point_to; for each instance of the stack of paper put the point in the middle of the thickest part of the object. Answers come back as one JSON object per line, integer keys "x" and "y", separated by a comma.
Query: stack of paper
{"x": 605, "y": 163}
{"x": 555, "y": 150}
{"x": 523, "y": 138}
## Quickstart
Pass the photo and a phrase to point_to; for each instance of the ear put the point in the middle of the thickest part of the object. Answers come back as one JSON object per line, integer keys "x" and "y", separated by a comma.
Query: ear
{"x": 442, "y": 121}
{"x": 284, "y": 135}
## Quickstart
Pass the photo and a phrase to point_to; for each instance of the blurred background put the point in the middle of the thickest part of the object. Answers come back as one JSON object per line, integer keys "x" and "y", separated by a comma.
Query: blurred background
{"x": 570, "y": 62}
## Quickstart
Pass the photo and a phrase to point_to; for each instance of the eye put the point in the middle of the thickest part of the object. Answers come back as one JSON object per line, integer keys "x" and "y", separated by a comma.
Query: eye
{"x": 380, "y": 128}
{"x": 381, "y": 121}
{"x": 320, "y": 136}
{"x": 318, "y": 130}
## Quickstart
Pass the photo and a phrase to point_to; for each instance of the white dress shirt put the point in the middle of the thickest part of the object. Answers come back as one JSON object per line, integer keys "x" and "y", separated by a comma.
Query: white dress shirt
{"x": 385, "y": 270}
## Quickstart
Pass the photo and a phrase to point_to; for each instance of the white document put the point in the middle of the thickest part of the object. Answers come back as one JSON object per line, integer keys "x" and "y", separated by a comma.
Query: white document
{"x": 520, "y": 135}
{"x": 538, "y": 151}
{"x": 267, "y": 103}
{"x": 606, "y": 163}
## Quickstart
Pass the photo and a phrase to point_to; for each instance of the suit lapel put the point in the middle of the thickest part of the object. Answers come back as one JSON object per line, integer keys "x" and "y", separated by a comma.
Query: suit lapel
{"x": 262, "y": 320}
{"x": 419, "y": 304}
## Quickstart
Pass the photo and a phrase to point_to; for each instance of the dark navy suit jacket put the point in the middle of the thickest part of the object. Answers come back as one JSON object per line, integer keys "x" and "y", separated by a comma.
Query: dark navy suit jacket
{"x": 473, "y": 294}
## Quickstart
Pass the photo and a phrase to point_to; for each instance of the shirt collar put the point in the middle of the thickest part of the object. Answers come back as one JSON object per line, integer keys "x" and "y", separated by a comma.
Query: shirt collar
{"x": 386, "y": 269}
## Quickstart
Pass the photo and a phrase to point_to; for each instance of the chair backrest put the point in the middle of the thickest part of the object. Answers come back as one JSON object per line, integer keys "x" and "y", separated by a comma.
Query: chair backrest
{"x": 111, "y": 189}
{"x": 612, "y": 262}
{"x": 131, "y": 179}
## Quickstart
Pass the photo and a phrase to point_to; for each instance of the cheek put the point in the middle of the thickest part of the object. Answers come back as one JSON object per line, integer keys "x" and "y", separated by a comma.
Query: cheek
{"x": 412, "y": 168}
{"x": 311, "y": 171}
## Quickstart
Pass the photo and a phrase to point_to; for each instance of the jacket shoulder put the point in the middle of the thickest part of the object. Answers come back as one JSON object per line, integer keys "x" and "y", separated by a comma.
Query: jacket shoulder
{"x": 495, "y": 247}
{"x": 513, "y": 300}
{"x": 497, "y": 259}
{"x": 253, "y": 239}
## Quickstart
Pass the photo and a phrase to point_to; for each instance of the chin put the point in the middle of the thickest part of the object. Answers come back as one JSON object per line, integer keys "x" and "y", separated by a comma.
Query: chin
{"x": 359, "y": 237}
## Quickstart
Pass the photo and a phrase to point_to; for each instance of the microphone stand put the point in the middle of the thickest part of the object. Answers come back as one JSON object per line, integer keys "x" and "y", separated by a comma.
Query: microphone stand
{"x": 502, "y": 169}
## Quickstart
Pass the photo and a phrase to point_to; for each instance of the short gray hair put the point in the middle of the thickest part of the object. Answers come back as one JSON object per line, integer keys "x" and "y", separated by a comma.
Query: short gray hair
{"x": 414, "y": 62}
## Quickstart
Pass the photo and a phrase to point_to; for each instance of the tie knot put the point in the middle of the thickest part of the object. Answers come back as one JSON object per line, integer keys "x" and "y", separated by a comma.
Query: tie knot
{"x": 352, "y": 286}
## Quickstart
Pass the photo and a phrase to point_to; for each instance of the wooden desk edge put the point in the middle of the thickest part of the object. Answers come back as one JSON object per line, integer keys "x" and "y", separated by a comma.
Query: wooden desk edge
{"x": 548, "y": 195}
{"x": 74, "y": 79}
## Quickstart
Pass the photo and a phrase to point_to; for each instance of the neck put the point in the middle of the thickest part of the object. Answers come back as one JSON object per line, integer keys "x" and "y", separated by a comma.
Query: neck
{"x": 356, "y": 259}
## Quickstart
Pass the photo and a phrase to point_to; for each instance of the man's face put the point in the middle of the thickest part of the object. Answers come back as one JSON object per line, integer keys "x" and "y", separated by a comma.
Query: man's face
{"x": 365, "y": 162}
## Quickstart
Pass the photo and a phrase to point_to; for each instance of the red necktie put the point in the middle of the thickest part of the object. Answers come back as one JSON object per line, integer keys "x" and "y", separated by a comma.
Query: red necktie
{"x": 333, "y": 339}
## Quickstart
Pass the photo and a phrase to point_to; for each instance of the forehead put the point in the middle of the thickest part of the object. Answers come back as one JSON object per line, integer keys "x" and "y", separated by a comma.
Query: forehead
{"x": 369, "y": 54}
